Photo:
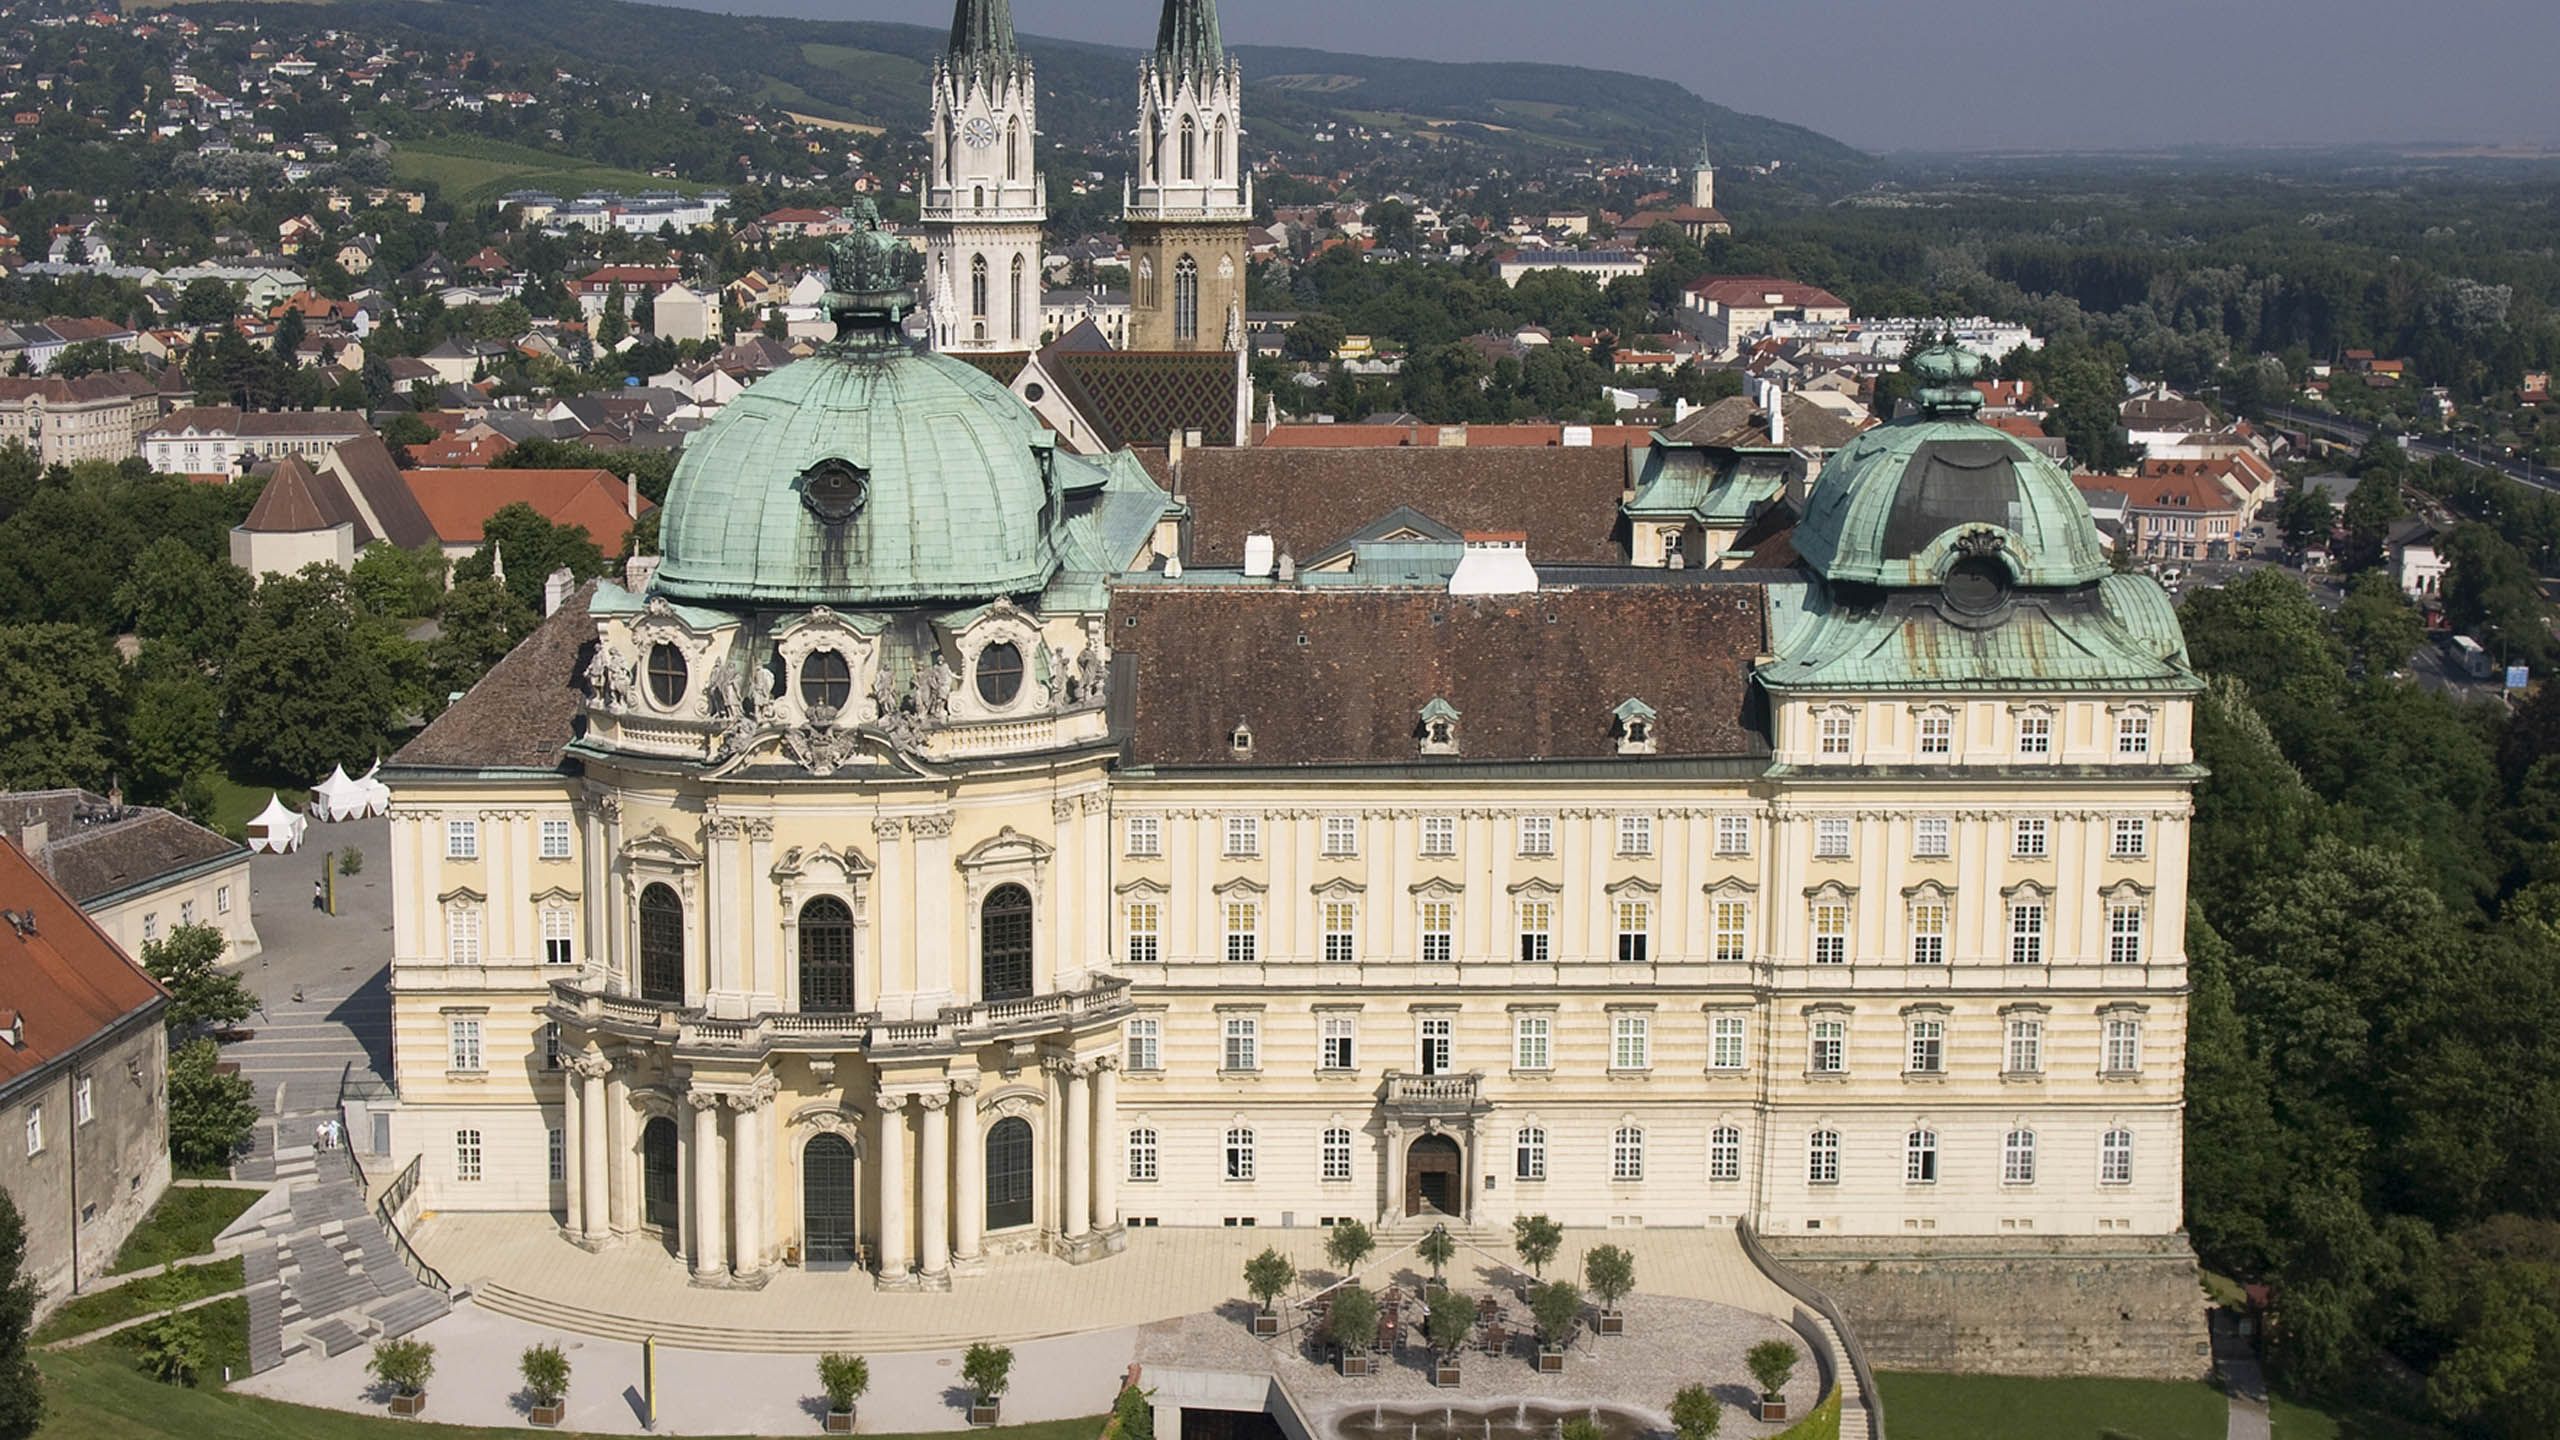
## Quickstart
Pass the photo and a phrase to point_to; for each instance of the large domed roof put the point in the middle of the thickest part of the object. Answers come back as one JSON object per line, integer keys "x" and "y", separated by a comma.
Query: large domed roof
{"x": 866, "y": 474}
{"x": 1896, "y": 505}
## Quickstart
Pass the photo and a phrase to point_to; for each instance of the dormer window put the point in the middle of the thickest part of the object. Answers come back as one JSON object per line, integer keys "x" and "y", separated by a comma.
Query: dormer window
{"x": 1000, "y": 673}
{"x": 1240, "y": 741}
{"x": 826, "y": 681}
{"x": 669, "y": 676}
{"x": 1439, "y": 728}
{"x": 1633, "y": 721}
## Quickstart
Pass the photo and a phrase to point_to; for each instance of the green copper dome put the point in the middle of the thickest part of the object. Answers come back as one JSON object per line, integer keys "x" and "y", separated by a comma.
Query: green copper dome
{"x": 867, "y": 474}
{"x": 1903, "y": 503}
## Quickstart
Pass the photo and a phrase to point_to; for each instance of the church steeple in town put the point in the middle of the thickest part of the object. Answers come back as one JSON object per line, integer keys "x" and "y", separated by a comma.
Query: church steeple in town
{"x": 1187, "y": 38}
{"x": 1702, "y": 178}
{"x": 984, "y": 200}
{"x": 1191, "y": 197}
{"x": 982, "y": 37}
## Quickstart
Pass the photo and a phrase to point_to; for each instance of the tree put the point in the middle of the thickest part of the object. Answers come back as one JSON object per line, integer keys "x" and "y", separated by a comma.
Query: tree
{"x": 843, "y": 1378}
{"x": 614, "y": 324}
{"x": 403, "y": 1366}
{"x": 986, "y": 1368}
{"x": 1695, "y": 1415}
{"x": 1352, "y": 1322}
{"x": 188, "y": 964}
{"x": 1314, "y": 339}
{"x": 21, "y": 1389}
{"x": 1450, "y": 1321}
{"x": 1611, "y": 1273}
{"x": 546, "y": 1374}
{"x": 1349, "y": 1244}
{"x": 1536, "y": 1239}
{"x": 305, "y": 689}
{"x": 483, "y": 620}
{"x": 2377, "y": 624}
{"x": 58, "y": 697}
{"x": 1267, "y": 1274}
{"x": 1771, "y": 1363}
{"x": 2306, "y": 516}
{"x": 2489, "y": 593}
{"x": 210, "y": 1114}
{"x": 399, "y": 584}
{"x": 206, "y": 302}
{"x": 2371, "y": 510}
{"x": 173, "y": 1349}
{"x": 1557, "y": 1307}
{"x": 533, "y": 547}
{"x": 187, "y": 604}
{"x": 1436, "y": 1247}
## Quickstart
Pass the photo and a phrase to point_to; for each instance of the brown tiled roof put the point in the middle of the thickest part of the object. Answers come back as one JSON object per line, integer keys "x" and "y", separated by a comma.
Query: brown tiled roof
{"x": 1323, "y": 676}
{"x": 297, "y": 501}
{"x": 67, "y": 980}
{"x": 1133, "y": 397}
{"x": 106, "y": 385}
{"x": 1753, "y": 292}
{"x": 232, "y": 420}
{"x": 1735, "y": 423}
{"x": 367, "y": 462}
{"x": 460, "y": 502}
{"x": 1567, "y": 499}
{"x": 524, "y": 710}
{"x": 94, "y": 849}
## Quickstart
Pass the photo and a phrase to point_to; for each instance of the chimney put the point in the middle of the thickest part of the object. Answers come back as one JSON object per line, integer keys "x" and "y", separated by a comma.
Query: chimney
{"x": 1575, "y": 437}
{"x": 1258, "y": 551}
{"x": 1191, "y": 438}
{"x": 33, "y": 836}
{"x": 631, "y": 496}
{"x": 1173, "y": 450}
{"x": 1495, "y": 562}
{"x": 556, "y": 589}
{"x": 1777, "y": 415}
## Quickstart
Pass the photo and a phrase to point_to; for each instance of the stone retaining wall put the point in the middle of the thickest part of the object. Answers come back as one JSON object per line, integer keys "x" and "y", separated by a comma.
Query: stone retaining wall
{"x": 2130, "y": 1308}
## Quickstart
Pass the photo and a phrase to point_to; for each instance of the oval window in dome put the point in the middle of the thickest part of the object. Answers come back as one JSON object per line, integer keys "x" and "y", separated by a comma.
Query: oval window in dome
{"x": 668, "y": 675}
{"x": 1000, "y": 673}
{"x": 826, "y": 681}
{"x": 1977, "y": 585}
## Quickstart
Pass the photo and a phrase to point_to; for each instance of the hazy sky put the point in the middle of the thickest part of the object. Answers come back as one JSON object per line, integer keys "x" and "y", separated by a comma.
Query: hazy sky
{"x": 2023, "y": 74}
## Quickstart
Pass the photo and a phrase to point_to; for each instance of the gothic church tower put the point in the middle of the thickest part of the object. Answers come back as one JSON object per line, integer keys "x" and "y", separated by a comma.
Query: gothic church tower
{"x": 1702, "y": 179}
{"x": 1192, "y": 199}
{"x": 984, "y": 200}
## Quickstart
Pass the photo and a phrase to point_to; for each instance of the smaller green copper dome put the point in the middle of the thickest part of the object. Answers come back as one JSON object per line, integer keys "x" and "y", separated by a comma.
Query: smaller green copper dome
{"x": 1896, "y": 506}
{"x": 867, "y": 474}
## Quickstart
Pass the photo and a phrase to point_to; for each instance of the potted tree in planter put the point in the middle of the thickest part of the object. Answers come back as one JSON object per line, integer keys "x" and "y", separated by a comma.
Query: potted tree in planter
{"x": 844, "y": 1378}
{"x": 1695, "y": 1415}
{"x": 1266, "y": 1275}
{"x": 1451, "y": 1320}
{"x": 1611, "y": 1273}
{"x": 1556, "y": 1306}
{"x": 1771, "y": 1362}
{"x": 1537, "y": 1239}
{"x": 1436, "y": 1249}
{"x": 1353, "y": 1325}
{"x": 985, "y": 1369}
{"x": 546, "y": 1382}
{"x": 403, "y": 1367}
{"x": 1348, "y": 1246}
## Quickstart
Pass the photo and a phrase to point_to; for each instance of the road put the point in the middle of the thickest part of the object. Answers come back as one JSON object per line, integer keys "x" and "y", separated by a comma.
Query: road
{"x": 2520, "y": 470}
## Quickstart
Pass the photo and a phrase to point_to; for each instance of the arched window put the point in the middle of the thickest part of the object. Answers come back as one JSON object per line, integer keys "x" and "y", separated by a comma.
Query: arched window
{"x": 950, "y": 149}
{"x": 1190, "y": 144}
{"x": 978, "y": 197}
{"x": 1529, "y": 1154}
{"x": 1163, "y": 130}
{"x": 1724, "y": 1153}
{"x": 1822, "y": 1158}
{"x": 1186, "y": 299}
{"x": 1004, "y": 944}
{"x": 2018, "y": 1158}
{"x": 978, "y": 293}
{"x": 2115, "y": 1158}
{"x": 1142, "y": 1154}
{"x": 1017, "y": 297}
{"x": 1218, "y": 150}
{"x": 1009, "y": 1173}
{"x": 661, "y": 944}
{"x": 1626, "y": 1154}
{"x": 1335, "y": 1154}
{"x": 826, "y": 680}
{"x": 1013, "y": 148}
{"x": 826, "y": 955}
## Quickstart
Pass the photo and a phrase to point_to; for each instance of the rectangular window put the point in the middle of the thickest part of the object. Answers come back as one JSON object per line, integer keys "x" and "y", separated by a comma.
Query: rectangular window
{"x": 1929, "y": 837}
{"x": 1830, "y": 932}
{"x": 1937, "y": 734}
{"x": 1146, "y": 836}
{"x": 1822, "y": 1158}
{"x": 1928, "y": 1046}
{"x": 2028, "y": 835}
{"x": 1336, "y": 1158}
{"x": 1835, "y": 734}
{"x": 462, "y": 1042}
{"x": 1336, "y": 1040}
{"x": 1733, "y": 834}
{"x": 186, "y": 912}
{"x": 1341, "y": 932}
{"x": 1244, "y": 836}
{"x": 559, "y": 929}
{"x": 2129, "y": 838}
{"x": 1439, "y": 919}
{"x": 1432, "y": 1041}
{"x": 1732, "y": 932}
{"x": 2025, "y": 1055}
{"x": 1142, "y": 1155}
{"x": 1146, "y": 937}
{"x": 1724, "y": 1153}
{"x": 2026, "y": 932}
{"x": 2018, "y": 1158}
{"x": 1635, "y": 930}
{"x": 2035, "y": 734}
{"x": 1439, "y": 834}
{"x": 1531, "y": 1037}
{"x": 1928, "y": 932}
{"x": 35, "y": 1130}
{"x": 1244, "y": 1043}
{"x": 1626, "y": 1154}
{"x": 1920, "y": 1157}
{"x": 555, "y": 840}
{"x": 2133, "y": 735}
{"x": 1243, "y": 931}
{"x": 1529, "y": 1155}
{"x": 1829, "y": 1051}
{"x": 150, "y": 924}
{"x": 2115, "y": 1158}
{"x": 1537, "y": 931}
{"x": 2124, "y": 1045}
{"x": 2124, "y": 933}
{"x": 1635, "y": 834}
{"x": 462, "y": 839}
{"x": 1724, "y": 1043}
{"x": 221, "y": 899}
{"x": 466, "y": 1156}
{"x": 551, "y": 1046}
{"x": 1630, "y": 1042}
{"x": 1537, "y": 834}
{"x": 84, "y": 1101}
{"x": 462, "y": 933}
{"x": 556, "y": 1148}
{"x": 1341, "y": 835}
{"x": 1831, "y": 838}
{"x": 1239, "y": 1154}
{"x": 1146, "y": 1042}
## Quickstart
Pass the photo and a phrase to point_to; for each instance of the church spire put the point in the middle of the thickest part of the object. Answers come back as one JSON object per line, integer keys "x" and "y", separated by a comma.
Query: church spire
{"x": 1187, "y": 38}
{"x": 982, "y": 37}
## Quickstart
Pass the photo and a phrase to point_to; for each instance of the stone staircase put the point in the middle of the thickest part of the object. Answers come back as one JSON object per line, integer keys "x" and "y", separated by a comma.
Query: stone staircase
{"x": 1853, "y": 1408}
{"x": 322, "y": 1274}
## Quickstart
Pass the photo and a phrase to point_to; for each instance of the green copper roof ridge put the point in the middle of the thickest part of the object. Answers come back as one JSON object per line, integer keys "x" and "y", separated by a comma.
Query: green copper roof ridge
{"x": 1187, "y": 40}
{"x": 982, "y": 36}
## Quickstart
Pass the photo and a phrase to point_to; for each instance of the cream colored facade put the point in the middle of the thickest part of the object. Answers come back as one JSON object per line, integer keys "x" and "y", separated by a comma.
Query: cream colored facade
{"x": 215, "y": 895}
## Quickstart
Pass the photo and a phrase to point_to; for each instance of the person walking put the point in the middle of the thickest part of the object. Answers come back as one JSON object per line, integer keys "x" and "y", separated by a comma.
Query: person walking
{"x": 319, "y": 894}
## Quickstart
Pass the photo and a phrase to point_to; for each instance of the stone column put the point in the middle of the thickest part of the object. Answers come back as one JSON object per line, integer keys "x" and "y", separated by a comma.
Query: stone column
{"x": 895, "y": 1257}
{"x": 934, "y": 1159}
{"x": 710, "y": 1227}
{"x": 622, "y": 1188}
{"x": 971, "y": 1190}
{"x": 747, "y": 1175}
{"x": 592, "y": 1160}
{"x": 573, "y": 1152}
{"x": 1395, "y": 1173}
{"x": 1079, "y": 1145}
{"x": 1107, "y": 1145}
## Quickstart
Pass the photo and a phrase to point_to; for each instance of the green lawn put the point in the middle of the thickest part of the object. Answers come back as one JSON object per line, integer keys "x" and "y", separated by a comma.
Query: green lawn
{"x": 1822, "y": 1424}
{"x": 1999, "y": 1407}
{"x": 101, "y": 1308}
{"x": 2294, "y": 1421}
{"x": 469, "y": 169}
{"x": 182, "y": 1224}
{"x": 236, "y": 804}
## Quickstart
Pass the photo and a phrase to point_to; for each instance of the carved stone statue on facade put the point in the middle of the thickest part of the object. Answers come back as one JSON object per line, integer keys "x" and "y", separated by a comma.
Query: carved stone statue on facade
{"x": 939, "y": 679}
{"x": 1062, "y": 678}
{"x": 818, "y": 749}
{"x": 1089, "y": 671}
{"x": 884, "y": 693}
{"x": 727, "y": 699}
{"x": 760, "y": 706}
{"x": 605, "y": 679}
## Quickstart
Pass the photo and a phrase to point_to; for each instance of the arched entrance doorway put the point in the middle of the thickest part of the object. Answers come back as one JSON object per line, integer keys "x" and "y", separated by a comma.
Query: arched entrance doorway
{"x": 1431, "y": 1177}
{"x": 827, "y": 1217}
{"x": 1009, "y": 1173}
{"x": 661, "y": 1180}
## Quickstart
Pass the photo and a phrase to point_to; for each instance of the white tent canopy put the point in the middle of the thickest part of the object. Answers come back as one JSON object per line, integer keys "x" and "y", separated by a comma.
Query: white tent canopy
{"x": 337, "y": 798}
{"x": 277, "y": 830}
{"x": 375, "y": 794}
